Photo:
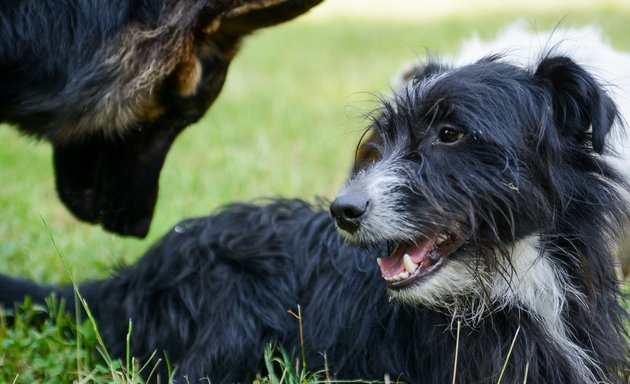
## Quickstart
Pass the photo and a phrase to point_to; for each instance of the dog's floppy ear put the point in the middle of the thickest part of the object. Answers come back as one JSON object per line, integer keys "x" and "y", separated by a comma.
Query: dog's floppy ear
{"x": 251, "y": 15}
{"x": 417, "y": 71}
{"x": 579, "y": 102}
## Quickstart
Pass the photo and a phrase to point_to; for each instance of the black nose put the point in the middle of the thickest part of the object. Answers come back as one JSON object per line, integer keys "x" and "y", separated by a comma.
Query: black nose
{"x": 347, "y": 210}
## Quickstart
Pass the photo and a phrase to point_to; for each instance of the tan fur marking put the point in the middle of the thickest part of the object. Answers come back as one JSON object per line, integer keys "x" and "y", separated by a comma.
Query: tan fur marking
{"x": 188, "y": 75}
{"x": 154, "y": 111}
{"x": 212, "y": 27}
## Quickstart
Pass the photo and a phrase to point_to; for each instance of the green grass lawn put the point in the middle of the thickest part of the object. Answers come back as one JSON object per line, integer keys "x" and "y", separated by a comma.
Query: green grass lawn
{"x": 285, "y": 125}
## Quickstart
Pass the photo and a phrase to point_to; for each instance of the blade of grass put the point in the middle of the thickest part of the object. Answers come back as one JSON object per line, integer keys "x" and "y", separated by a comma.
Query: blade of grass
{"x": 102, "y": 350}
{"x": 77, "y": 319}
{"x": 146, "y": 364}
{"x": 459, "y": 324}
{"x": 127, "y": 346}
{"x": 299, "y": 317}
{"x": 508, "y": 355}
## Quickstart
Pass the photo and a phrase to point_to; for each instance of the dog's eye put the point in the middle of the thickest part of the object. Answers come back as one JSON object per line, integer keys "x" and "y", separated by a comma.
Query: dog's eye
{"x": 449, "y": 135}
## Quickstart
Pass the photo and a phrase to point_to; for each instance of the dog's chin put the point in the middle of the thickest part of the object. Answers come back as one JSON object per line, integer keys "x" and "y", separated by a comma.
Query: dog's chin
{"x": 413, "y": 263}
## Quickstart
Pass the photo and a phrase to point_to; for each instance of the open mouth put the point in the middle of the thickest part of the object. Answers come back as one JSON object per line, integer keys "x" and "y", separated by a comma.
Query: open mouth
{"x": 414, "y": 261}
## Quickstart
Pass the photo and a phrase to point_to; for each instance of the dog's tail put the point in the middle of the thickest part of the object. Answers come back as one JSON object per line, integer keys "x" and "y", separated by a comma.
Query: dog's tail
{"x": 13, "y": 290}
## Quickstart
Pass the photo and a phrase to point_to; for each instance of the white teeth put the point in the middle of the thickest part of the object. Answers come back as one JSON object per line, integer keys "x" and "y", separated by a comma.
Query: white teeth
{"x": 410, "y": 266}
{"x": 378, "y": 261}
{"x": 401, "y": 276}
{"x": 440, "y": 239}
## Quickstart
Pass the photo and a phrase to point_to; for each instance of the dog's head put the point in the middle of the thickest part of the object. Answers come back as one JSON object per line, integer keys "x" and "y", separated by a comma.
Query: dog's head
{"x": 111, "y": 177}
{"x": 466, "y": 167}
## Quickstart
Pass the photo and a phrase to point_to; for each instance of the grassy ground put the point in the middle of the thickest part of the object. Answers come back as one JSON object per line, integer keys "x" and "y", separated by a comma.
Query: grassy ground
{"x": 285, "y": 124}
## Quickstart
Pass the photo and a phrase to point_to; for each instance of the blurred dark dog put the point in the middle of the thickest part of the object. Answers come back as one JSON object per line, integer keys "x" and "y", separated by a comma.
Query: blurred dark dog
{"x": 480, "y": 212}
{"x": 112, "y": 83}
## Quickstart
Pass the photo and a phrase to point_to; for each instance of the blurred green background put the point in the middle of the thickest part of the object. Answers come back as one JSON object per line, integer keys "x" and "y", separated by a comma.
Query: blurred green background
{"x": 285, "y": 125}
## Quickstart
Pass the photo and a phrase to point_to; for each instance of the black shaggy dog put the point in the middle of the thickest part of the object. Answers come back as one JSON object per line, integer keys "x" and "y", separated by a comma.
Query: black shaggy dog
{"x": 112, "y": 83}
{"x": 482, "y": 195}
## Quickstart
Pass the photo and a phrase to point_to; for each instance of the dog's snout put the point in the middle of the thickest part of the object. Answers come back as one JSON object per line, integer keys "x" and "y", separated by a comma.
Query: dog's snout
{"x": 347, "y": 210}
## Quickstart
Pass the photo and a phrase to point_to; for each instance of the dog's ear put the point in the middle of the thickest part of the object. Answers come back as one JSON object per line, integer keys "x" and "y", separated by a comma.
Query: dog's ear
{"x": 417, "y": 71}
{"x": 251, "y": 15}
{"x": 579, "y": 102}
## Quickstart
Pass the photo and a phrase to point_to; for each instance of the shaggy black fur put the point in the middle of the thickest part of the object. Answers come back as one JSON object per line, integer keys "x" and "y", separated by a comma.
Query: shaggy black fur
{"x": 112, "y": 83}
{"x": 492, "y": 154}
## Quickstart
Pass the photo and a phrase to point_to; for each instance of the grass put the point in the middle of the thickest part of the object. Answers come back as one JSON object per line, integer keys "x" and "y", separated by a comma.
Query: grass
{"x": 285, "y": 125}
{"x": 44, "y": 345}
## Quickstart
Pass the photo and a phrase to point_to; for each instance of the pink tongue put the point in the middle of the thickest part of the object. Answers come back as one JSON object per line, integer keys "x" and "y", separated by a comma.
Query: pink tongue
{"x": 393, "y": 264}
